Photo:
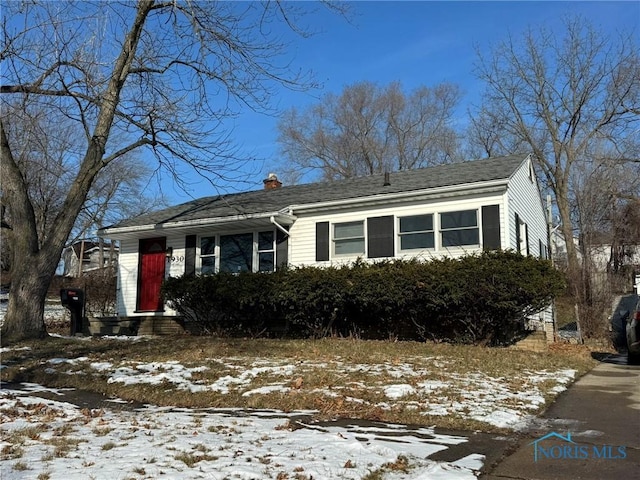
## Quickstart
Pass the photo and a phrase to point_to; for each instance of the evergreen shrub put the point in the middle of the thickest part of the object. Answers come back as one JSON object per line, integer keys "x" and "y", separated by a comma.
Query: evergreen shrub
{"x": 479, "y": 299}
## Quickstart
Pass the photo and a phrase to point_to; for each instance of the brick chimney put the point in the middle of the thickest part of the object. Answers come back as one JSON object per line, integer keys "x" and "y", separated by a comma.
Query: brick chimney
{"x": 272, "y": 182}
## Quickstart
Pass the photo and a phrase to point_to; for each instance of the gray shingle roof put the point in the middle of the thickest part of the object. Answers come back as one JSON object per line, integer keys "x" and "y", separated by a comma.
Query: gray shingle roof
{"x": 264, "y": 201}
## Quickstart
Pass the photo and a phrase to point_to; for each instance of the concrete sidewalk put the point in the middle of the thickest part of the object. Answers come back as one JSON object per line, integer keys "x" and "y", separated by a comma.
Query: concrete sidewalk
{"x": 601, "y": 413}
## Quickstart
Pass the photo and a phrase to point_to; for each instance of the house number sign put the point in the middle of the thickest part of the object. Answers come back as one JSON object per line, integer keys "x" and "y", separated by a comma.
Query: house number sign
{"x": 176, "y": 260}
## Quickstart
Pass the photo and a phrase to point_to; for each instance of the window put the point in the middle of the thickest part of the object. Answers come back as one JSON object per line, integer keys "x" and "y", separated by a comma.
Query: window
{"x": 245, "y": 252}
{"x": 348, "y": 238}
{"x": 416, "y": 232}
{"x": 236, "y": 253}
{"x": 522, "y": 236}
{"x": 459, "y": 228}
{"x": 207, "y": 255}
{"x": 266, "y": 252}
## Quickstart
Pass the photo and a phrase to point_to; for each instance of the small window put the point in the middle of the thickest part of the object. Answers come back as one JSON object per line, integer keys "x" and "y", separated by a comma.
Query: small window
{"x": 522, "y": 236}
{"x": 459, "y": 228}
{"x": 348, "y": 238}
{"x": 416, "y": 232}
{"x": 236, "y": 253}
{"x": 207, "y": 255}
{"x": 266, "y": 252}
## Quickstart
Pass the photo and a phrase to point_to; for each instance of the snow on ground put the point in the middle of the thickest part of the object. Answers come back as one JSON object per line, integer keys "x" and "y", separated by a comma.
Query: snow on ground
{"x": 181, "y": 443}
{"x": 54, "y": 440}
{"x": 492, "y": 400}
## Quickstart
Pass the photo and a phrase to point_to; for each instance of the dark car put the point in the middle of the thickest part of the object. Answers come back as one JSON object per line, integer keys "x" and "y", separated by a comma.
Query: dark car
{"x": 633, "y": 335}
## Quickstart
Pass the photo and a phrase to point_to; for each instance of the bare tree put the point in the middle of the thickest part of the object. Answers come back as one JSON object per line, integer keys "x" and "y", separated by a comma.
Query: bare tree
{"x": 566, "y": 97}
{"x": 155, "y": 75}
{"x": 45, "y": 150}
{"x": 600, "y": 195}
{"x": 371, "y": 129}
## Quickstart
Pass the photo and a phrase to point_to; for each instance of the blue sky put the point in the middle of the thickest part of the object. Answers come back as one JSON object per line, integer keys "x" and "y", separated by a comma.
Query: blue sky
{"x": 416, "y": 43}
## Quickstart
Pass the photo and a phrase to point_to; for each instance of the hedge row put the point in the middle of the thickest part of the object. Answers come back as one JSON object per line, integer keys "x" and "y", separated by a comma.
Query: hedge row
{"x": 475, "y": 299}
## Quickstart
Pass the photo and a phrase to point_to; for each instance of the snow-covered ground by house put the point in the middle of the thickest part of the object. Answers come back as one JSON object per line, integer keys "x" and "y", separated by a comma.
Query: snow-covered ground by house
{"x": 474, "y": 395}
{"x": 155, "y": 442}
{"x": 61, "y": 441}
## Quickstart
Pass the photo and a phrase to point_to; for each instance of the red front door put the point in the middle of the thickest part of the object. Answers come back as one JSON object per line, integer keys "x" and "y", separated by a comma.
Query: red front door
{"x": 151, "y": 273}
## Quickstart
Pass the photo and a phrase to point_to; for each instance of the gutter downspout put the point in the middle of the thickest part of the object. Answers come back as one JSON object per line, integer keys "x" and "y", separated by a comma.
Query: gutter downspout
{"x": 272, "y": 219}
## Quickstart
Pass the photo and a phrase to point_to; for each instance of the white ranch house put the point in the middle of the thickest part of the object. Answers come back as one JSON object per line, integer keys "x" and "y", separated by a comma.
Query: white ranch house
{"x": 446, "y": 210}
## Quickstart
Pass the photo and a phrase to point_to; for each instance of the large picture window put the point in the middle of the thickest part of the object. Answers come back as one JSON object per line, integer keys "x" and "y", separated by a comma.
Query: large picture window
{"x": 348, "y": 238}
{"x": 245, "y": 252}
{"x": 416, "y": 232}
{"x": 236, "y": 253}
{"x": 459, "y": 228}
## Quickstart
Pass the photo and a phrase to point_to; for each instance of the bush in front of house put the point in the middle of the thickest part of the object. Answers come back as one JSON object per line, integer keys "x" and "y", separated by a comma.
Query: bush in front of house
{"x": 222, "y": 304}
{"x": 481, "y": 299}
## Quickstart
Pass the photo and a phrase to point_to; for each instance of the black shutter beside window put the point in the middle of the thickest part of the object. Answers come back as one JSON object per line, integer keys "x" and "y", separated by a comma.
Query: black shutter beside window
{"x": 190, "y": 255}
{"x": 282, "y": 249}
{"x": 322, "y": 241}
{"x": 491, "y": 227}
{"x": 518, "y": 249}
{"x": 380, "y": 236}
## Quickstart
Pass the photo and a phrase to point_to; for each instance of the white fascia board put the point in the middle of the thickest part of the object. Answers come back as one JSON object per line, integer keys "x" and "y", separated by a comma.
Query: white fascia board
{"x": 494, "y": 186}
{"x": 125, "y": 232}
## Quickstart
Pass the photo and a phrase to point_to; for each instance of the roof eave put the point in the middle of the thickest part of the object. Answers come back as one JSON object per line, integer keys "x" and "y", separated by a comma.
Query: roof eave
{"x": 475, "y": 188}
{"x": 125, "y": 232}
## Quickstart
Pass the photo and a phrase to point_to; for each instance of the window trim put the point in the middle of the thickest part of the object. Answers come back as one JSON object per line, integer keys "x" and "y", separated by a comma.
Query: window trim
{"x": 255, "y": 253}
{"x": 413, "y": 232}
{"x": 442, "y": 230}
{"x": 334, "y": 240}
{"x": 215, "y": 254}
{"x": 258, "y": 251}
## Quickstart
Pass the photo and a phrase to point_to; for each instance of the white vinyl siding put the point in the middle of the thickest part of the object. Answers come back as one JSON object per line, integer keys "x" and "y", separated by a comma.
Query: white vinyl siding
{"x": 524, "y": 200}
{"x": 302, "y": 242}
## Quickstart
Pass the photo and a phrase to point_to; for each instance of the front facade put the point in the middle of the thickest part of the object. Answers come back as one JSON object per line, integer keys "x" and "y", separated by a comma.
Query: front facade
{"x": 447, "y": 210}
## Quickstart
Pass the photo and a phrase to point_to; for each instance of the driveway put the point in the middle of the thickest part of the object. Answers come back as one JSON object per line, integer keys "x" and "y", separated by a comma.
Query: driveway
{"x": 592, "y": 431}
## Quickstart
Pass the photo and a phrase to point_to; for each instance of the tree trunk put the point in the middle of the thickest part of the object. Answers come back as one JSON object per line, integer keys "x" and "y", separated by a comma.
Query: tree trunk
{"x": 574, "y": 271}
{"x": 24, "y": 318}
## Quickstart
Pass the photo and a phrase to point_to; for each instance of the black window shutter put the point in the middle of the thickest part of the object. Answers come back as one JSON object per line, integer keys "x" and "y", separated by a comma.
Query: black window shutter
{"x": 380, "y": 236}
{"x": 518, "y": 234}
{"x": 282, "y": 248}
{"x": 322, "y": 241}
{"x": 190, "y": 255}
{"x": 491, "y": 227}
{"x": 526, "y": 237}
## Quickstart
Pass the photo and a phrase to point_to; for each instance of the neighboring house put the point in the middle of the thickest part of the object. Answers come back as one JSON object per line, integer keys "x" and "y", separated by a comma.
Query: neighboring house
{"x": 601, "y": 253}
{"x": 602, "y": 263}
{"x": 92, "y": 257}
{"x": 446, "y": 210}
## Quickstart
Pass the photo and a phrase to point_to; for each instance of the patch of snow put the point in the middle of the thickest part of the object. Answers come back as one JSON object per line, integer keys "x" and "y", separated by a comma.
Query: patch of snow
{"x": 266, "y": 390}
{"x": 395, "y": 392}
